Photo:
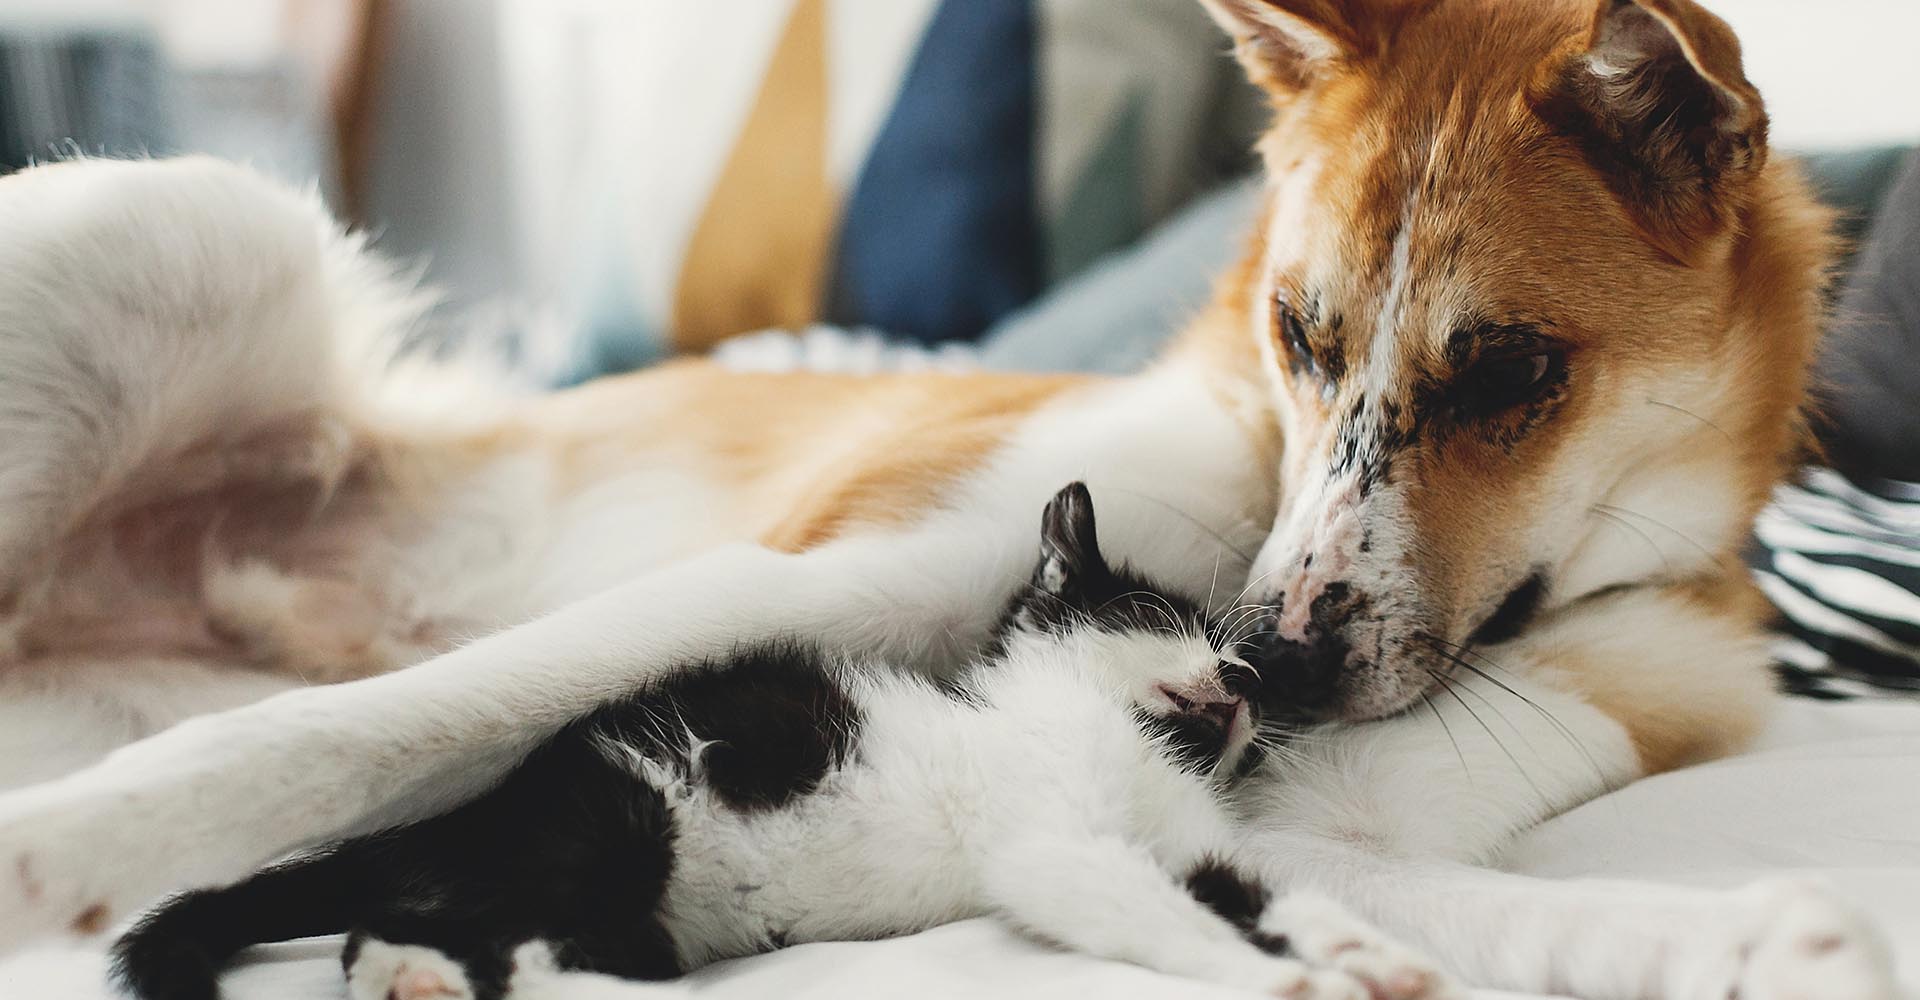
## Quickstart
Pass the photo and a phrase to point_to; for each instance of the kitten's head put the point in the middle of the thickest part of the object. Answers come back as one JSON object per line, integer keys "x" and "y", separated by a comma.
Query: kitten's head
{"x": 1160, "y": 647}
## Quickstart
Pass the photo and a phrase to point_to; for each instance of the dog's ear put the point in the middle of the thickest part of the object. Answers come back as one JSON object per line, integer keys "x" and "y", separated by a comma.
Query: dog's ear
{"x": 1656, "y": 96}
{"x": 1284, "y": 44}
{"x": 1070, "y": 559}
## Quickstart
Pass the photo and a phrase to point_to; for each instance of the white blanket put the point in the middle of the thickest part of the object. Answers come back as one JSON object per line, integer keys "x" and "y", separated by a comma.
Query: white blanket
{"x": 1833, "y": 792}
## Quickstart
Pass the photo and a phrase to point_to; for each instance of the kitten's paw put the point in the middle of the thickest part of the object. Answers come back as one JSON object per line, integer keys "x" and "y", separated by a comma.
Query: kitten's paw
{"x": 1805, "y": 943}
{"x": 1293, "y": 980}
{"x": 535, "y": 972}
{"x": 537, "y": 975}
{"x": 383, "y": 971}
{"x": 1322, "y": 933}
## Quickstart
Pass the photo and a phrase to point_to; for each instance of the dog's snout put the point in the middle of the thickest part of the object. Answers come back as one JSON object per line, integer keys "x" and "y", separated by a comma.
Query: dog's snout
{"x": 1298, "y": 676}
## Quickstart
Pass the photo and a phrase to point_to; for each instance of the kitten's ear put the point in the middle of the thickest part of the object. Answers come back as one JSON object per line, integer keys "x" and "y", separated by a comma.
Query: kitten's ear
{"x": 1069, "y": 550}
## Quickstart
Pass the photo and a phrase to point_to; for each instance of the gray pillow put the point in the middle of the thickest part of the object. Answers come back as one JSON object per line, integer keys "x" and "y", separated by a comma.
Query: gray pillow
{"x": 1871, "y": 363}
{"x": 1114, "y": 317}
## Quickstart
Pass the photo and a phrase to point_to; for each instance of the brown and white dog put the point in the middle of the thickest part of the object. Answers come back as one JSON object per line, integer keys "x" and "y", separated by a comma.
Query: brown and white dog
{"x": 1517, "y": 351}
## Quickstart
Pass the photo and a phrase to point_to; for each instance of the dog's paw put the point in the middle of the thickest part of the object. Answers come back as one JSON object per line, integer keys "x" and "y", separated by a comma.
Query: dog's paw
{"x": 1805, "y": 943}
{"x": 200, "y": 803}
{"x": 50, "y": 884}
{"x": 1323, "y": 934}
{"x": 382, "y": 971}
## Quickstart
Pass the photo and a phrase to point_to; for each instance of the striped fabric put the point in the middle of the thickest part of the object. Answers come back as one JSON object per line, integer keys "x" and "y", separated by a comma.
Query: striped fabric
{"x": 1842, "y": 564}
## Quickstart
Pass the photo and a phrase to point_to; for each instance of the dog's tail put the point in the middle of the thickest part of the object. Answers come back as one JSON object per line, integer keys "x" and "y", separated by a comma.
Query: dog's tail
{"x": 178, "y": 951}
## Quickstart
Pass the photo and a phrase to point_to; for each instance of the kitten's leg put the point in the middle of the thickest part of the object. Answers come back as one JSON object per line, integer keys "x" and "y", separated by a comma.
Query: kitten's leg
{"x": 1108, "y": 898}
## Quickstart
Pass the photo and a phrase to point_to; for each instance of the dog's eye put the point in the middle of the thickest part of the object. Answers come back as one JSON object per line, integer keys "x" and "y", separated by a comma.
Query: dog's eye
{"x": 1293, "y": 334}
{"x": 1506, "y": 380}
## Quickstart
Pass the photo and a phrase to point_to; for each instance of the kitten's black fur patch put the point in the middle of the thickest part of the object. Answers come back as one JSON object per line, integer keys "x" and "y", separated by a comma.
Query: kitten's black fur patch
{"x": 775, "y": 718}
{"x": 1238, "y": 900}
{"x": 1195, "y": 742}
{"x": 1272, "y": 944}
{"x": 1221, "y": 888}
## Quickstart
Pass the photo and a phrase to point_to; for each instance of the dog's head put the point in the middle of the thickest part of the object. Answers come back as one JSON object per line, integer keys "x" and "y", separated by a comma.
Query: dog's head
{"x": 1533, "y": 311}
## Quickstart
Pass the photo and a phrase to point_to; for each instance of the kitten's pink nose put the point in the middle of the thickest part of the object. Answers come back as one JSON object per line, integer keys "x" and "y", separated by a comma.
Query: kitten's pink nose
{"x": 1221, "y": 709}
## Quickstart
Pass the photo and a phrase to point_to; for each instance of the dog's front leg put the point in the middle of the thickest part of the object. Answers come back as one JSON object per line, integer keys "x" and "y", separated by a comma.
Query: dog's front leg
{"x": 1392, "y": 817}
{"x": 216, "y": 796}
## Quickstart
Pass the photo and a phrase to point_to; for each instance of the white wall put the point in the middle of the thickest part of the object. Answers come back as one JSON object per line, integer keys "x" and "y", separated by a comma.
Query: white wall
{"x": 1833, "y": 72}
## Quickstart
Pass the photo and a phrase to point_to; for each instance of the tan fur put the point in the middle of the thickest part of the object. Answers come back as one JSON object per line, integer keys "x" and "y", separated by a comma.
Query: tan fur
{"x": 804, "y": 457}
{"x": 1675, "y": 717}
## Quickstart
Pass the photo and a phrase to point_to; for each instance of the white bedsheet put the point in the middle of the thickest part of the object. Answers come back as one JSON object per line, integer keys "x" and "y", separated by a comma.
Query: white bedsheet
{"x": 1833, "y": 791}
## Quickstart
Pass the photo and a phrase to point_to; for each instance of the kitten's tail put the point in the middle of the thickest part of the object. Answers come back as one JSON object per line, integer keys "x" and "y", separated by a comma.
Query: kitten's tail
{"x": 177, "y": 951}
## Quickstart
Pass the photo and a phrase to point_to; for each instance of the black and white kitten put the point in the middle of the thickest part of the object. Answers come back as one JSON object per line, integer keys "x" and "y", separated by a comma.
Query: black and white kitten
{"x": 1075, "y": 783}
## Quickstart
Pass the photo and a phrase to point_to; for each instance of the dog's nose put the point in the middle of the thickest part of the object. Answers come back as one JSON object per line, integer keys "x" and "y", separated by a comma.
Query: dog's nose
{"x": 1298, "y": 676}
